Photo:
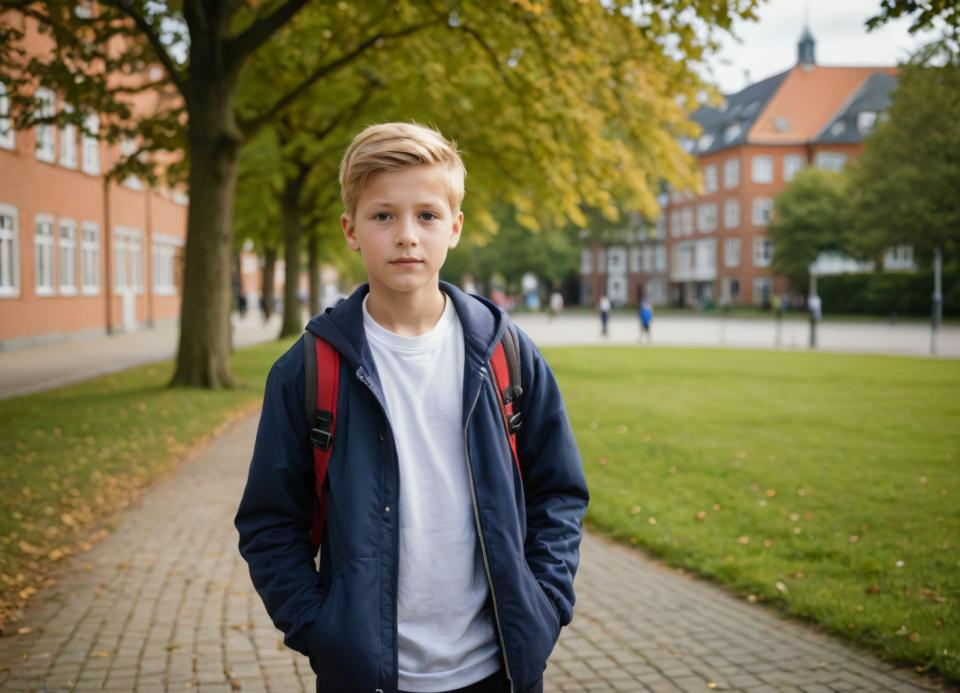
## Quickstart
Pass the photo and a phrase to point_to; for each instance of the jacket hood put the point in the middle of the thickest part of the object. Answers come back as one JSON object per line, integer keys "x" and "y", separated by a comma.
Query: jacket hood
{"x": 341, "y": 325}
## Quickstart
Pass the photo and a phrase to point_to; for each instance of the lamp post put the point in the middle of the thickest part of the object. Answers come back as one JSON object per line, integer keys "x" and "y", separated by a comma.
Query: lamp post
{"x": 937, "y": 301}
{"x": 814, "y": 308}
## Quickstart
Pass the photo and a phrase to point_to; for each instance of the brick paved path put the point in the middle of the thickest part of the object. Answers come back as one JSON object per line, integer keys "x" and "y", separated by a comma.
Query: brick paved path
{"x": 165, "y": 604}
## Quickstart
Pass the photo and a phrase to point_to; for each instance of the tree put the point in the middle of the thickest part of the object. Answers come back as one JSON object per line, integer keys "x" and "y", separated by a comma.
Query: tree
{"x": 597, "y": 92}
{"x": 905, "y": 184}
{"x": 811, "y": 216}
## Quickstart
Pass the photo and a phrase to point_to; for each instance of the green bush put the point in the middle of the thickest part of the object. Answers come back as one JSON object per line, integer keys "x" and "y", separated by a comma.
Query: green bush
{"x": 882, "y": 292}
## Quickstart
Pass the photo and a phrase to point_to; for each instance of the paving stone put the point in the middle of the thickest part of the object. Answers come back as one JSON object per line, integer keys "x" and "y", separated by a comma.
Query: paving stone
{"x": 169, "y": 605}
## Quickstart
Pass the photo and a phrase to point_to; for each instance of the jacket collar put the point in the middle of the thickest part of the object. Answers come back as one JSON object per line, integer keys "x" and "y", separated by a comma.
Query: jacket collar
{"x": 341, "y": 326}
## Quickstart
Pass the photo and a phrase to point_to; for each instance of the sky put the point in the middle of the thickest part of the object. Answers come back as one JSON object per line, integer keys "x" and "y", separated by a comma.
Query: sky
{"x": 769, "y": 45}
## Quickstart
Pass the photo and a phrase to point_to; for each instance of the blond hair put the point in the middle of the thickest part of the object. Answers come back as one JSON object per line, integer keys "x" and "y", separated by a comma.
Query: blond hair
{"x": 394, "y": 146}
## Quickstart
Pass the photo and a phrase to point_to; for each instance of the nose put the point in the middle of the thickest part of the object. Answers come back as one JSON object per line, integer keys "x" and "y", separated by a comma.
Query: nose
{"x": 406, "y": 235}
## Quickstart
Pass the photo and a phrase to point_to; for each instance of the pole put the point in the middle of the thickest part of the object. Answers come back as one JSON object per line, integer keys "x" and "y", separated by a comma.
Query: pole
{"x": 937, "y": 301}
{"x": 811, "y": 311}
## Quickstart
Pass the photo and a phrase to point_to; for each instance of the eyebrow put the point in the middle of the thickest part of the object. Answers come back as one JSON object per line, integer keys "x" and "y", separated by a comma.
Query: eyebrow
{"x": 422, "y": 203}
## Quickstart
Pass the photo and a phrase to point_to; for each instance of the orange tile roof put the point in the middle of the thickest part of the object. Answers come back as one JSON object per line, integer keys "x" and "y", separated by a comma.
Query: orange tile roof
{"x": 806, "y": 101}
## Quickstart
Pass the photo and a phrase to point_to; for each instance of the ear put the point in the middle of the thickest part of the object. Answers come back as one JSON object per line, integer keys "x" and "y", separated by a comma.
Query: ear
{"x": 457, "y": 228}
{"x": 349, "y": 231}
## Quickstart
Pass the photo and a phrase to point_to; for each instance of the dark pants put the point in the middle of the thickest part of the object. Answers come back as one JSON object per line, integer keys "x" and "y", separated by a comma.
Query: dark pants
{"x": 495, "y": 683}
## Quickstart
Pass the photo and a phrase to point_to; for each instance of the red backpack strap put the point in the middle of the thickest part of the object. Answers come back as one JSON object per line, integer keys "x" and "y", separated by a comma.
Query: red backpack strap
{"x": 505, "y": 364}
{"x": 322, "y": 381}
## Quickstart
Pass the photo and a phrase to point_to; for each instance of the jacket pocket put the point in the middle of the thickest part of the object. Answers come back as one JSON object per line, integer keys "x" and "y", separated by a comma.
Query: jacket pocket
{"x": 533, "y": 628}
{"x": 344, "y": 644}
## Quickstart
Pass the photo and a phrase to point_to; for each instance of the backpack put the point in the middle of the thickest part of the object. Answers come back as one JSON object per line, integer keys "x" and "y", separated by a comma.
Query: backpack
{"x": 322, "y": 379}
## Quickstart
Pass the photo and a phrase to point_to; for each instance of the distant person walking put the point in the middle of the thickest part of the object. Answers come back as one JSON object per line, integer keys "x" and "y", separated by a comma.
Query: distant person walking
{"x": 555, "y": 307}
{"x": 604, "y": 315}
{"x": 646, "y": 317}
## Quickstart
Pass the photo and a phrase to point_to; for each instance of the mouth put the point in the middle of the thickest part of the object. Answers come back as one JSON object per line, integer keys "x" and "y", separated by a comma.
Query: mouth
{"x": 406, "y": 261}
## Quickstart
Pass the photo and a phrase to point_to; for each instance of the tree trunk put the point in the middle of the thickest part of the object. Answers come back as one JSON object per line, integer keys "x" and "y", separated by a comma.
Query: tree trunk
{"x": 203, "y": 359}
{"x": 313, "y": 268}
{"x": 269, "y": 281}
{"x": 292, "y": 234}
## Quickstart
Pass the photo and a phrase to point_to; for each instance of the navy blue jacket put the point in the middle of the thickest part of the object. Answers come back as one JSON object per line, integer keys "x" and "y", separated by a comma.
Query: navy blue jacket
{"x": 345, "y": 618}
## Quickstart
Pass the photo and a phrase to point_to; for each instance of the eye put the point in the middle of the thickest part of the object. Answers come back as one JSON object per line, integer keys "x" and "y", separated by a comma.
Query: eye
{"x": 381, "y": 216}
{"x": 428, "y": 216}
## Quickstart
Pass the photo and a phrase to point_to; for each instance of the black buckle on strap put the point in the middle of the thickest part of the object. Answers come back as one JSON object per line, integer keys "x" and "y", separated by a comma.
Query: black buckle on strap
{"x": 320, "y": 434}
{"x": 514, "y": 422}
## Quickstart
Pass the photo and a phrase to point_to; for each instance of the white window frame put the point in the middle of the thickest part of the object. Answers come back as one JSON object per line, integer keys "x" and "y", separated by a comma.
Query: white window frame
{"x": 164, "y": 264}
{"x": 90, "y": 250}
{"x": 830, "y": 161}
{"x": 44, "y": 246}
{"x": 90, "y": 145}
{"x": 660, "y": 258}
{"x": 731, "y": 252}
{"x": 67, "y": 257}
{"x": 686, "y": 221}
{"x": 792, "y": 165}
{"x": 46, "y": 142}
{"x": 635, "y": 259}
{"x": 731, "y": 173}
{"x": 731, "y": 213}
{"x": 761, "y": 169}
{"x": 10, "y": 251}
{"x": 710, "y": 179}
{"x": 8, "y": 138}
{"x": 761, "y": 204}
{"x": 128, "y": 259}
{"x": 586, "y": 261}
{"x": 707, "y": 217}
{"x": 68, "y": 142}
{"x": 758, "y": 284}
{"x": 762, "y": 251}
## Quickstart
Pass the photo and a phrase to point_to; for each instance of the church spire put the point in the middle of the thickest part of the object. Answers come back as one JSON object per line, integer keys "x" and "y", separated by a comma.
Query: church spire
{"x": 805, "y": 47}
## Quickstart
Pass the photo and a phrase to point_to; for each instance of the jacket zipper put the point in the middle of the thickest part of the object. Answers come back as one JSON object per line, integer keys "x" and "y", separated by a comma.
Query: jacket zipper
{"x": 483, "y": 546}
{"x": 396, "y": 532}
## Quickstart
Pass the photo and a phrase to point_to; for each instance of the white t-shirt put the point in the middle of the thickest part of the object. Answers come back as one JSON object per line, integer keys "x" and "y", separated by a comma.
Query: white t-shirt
{"x": 446, "y": 637}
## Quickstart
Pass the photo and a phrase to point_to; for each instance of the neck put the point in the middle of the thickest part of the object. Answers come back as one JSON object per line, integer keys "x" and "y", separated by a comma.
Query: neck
{"x": 409, "y": 314}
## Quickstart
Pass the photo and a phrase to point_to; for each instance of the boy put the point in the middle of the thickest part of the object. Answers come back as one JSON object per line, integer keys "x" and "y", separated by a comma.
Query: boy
{"x": 443, "y": 567}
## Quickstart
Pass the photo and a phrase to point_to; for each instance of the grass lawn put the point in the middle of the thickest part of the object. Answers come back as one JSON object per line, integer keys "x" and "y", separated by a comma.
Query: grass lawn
{"x": 827, "y": 484}
{"x": 71, "y": 456}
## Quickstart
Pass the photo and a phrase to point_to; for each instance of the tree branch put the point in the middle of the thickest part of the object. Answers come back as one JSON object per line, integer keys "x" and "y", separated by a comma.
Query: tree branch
{"x": 247, "y": 41}
{"x": 162, "y": 55}
{"x": 253, "y": 125}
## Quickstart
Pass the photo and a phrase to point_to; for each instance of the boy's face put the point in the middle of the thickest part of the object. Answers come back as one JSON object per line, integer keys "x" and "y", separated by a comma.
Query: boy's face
{"x": 403, "y": 226}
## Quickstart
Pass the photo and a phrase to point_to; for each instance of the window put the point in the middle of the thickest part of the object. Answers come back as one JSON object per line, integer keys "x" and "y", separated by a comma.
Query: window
{"x": 781, "y": 124}
{"x": 91, "y": 145}
{"x": 762, "y": 291}
{"x": 732, "y": 132}
{"x": 9, "y": 251}
{"x": 7, "y": 138}
{"x": 792, "y": 164}
{"x": 90, "y": 258}
{"x": 683, "y": 258}
{"x": 731, "y": 252}
{"x": 762, "y": 211}
{"x": 128, "y": 148}
{"x": 128, "y": 260}
{"x": 687, "y": 221}
{"x": 43, "y": 252}
{"x": 660, "y": 258}
{"x": 761, "y": 169}
{"x": 731, "y": 214}
{"x": 707, "y": 218}
{"x": 707, "y": 255}
{"x": 68, "y": 142}
{"x": 661, "y": 231}
{"x": 634, "y": 259}
{"x": 866, "y": 120}
{"x": 648, "y": 259}
{"x": 762, "y": 252}
{"x": 675, "y": 229}
{"x": 731, "y": 173}
{"x": 710, "y": 179}
{"x": 586, "y": 261}
{"x": 617, "y": 260}
{"x": 655, "y": 291}
{"x": 706, "y": 139}
{"x": 601, "y": 260}
{"x": 46, "y": 146}
{"x": 831, "y": 161}
{"x": 68, "y": 256}
{"x": 165, "y": 255}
